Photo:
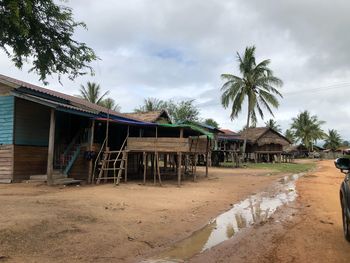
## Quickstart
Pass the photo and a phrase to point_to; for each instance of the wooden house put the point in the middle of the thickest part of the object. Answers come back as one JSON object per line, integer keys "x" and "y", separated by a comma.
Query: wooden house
{"x": 53, "y": 136}
{"x": 264, "y": 144}
{"x": 227, "y": 147}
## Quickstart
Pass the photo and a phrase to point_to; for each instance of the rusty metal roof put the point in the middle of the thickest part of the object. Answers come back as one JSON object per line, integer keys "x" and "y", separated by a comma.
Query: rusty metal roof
{"x": 72, "y": 100}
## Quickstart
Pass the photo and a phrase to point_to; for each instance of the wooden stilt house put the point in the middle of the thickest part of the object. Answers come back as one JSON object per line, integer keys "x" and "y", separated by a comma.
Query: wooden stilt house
{"x": 227, "y": 147}
{"x": 47, "y": 135}
{"x": 264, "y": 144}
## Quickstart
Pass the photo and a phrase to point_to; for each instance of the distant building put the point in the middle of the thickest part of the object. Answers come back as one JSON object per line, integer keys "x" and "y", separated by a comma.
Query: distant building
{"x": 264, "y": 144}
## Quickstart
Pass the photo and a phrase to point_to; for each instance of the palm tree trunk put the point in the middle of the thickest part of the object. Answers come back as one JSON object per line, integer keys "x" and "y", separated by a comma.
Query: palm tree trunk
{"x": 245, "y": 138}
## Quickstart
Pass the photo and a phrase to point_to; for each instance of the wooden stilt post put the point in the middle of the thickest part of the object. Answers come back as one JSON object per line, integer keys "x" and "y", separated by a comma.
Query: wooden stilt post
{"x": 207, "y": 159}
{"x": 154, "y": 168}
{"x": 92, "y": 131}
{"x": 158, "y": 170}
{"x": 126, "y": 166}
{"x": 195, "y": 167}
{"x": 179, "y": 160}
{"x": 107, "y": 130}
{"x": 51, "y": 147}
{"x": 145, "y": 163}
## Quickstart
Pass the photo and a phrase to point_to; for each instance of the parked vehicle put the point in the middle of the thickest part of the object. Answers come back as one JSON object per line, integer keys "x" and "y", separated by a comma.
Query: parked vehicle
{"x": 344, "y": 165}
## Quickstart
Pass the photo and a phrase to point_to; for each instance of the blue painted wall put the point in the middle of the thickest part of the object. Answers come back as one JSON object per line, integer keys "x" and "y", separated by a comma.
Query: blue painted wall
{"x": 32, "y": 123}
{"x": 7, "y": 105}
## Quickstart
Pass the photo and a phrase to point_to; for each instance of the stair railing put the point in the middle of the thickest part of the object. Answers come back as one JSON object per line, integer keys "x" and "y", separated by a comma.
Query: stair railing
{"x": 79, "y": 138}
{"x": 121, "y": 149}
{"x": 98, "y": 159}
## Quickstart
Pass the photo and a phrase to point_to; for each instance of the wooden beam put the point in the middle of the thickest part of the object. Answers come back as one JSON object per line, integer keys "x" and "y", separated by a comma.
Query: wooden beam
{"x": 92, "y": 131}
{"x": 207, "y": 159}
{"x": 145, "y": 164}
{"x": 158, "y": 170}
{"x": 51, "y": 147}
{"x": 179, "y": 160}
{"x": 126, "y": 165}
{"x": 107, "y": 130}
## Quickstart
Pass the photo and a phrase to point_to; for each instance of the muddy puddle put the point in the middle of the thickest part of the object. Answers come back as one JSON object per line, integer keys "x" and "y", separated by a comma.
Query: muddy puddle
{"x": 255, "y": 209}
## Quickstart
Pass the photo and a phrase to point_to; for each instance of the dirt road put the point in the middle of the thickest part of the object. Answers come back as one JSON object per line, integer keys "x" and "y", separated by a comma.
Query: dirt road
{"x": 308, "y": 231}
{"x": 113, "y": 224}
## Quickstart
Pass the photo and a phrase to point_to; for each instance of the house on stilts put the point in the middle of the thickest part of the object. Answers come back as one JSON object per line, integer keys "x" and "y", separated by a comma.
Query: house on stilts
{"x": 265, "y": 145}
{"x": 48, "y": 135}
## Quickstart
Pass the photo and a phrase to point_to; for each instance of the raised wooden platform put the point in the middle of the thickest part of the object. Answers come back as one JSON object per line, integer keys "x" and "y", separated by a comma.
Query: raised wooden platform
{"x": 167, "y": 145}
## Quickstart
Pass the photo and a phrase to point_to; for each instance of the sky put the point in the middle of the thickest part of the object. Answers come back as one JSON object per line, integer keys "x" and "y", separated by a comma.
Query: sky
{"x": 172, "y": 49}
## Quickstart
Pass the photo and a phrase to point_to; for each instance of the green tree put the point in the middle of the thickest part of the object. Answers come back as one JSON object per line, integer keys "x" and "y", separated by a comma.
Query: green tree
{"x": 92, "y": 92}
{"x": 110, "y": 103}
{"x": 289, "y": 134}
{"x": 332, "y": 140}
{"x": 42, "y": 32}
{"x": 307, "y": 129}
{"x": 211, "y": 122}
{"x": 182, "y": 111}
{"x": 257, "y": 85}
{"x": 271, "y": 123}
{"x": 346, "y": 143}
{"x": 152, "y": 104}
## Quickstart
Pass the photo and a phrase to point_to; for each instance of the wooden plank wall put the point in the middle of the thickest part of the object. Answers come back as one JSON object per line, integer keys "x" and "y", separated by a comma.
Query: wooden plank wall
{"x": 29, "y": 160}
{"x": 198, "y": 145}
{"x": 6, "y": 163}
{"x": 165, "y": 144}
{"x": 32, "y": 123}
{"x": 7, "y": 105}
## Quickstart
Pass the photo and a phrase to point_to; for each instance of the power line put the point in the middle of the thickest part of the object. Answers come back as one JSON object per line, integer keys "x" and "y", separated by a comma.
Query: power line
{"x": 320, "y": 89}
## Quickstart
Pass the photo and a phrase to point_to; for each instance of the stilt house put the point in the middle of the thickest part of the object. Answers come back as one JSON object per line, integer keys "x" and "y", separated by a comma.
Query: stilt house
{"x": 63, "y": 138}
{"x": 264, "y": 144}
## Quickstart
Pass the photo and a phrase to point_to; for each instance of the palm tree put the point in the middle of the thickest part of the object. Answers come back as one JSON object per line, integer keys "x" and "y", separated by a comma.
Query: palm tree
{"x": 307, "y": 129}
{"x": 271, "y": 123}
{"x": 332, "y": 140}
{"x": 257, "y": 84}
{"x": 289, "y": 134}
{"x": 110, "y": 103}
{"x": 91, "y": 92}
{"x": 152, "y": 104}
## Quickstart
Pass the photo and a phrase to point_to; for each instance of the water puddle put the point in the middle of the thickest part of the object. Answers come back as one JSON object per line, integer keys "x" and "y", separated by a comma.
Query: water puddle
{"x": 255, "y": 209}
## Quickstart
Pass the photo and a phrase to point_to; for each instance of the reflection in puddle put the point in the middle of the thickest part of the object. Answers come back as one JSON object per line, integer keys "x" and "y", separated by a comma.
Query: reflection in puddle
{"x": 255, "y": 209}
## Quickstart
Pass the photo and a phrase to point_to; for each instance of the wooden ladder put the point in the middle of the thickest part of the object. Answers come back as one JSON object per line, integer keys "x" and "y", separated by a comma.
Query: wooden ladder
{"x": 109, "y": 163}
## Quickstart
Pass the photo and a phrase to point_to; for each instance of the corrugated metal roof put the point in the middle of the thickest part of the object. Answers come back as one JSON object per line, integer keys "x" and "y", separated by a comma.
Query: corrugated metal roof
{"x": 51, "y": 103}
{"x": 74, "y": 101}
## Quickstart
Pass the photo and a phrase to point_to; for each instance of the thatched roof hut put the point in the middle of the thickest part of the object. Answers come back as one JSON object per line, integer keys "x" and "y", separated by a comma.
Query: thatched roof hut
{"x": 263, "y": 136}
{"x": 264, "y": 144}
{"x": 159, "y": 116}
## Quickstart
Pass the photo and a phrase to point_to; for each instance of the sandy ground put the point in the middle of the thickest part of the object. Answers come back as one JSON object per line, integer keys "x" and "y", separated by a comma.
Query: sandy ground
{"x": 122, "y": 224}
{"x": 308, "y": 230}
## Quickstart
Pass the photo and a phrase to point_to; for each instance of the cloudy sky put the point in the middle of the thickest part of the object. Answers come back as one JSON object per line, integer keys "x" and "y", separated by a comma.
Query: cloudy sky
{"x": 178, "y": 49}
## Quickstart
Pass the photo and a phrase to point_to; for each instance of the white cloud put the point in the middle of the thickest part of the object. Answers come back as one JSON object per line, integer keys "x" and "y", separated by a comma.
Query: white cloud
{"x": 168, "y": 48}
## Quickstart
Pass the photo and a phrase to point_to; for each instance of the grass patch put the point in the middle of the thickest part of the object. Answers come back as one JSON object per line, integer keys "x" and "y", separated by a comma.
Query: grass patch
{"x": 283, "y": 167}
{"x": 277, "y": 167}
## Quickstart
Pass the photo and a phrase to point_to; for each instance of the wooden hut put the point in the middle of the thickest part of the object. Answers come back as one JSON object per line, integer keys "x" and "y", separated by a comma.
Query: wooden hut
{"x": 264, "y": 144}
{"x": 227, "y": 147}
{"x": 48, "y": 135}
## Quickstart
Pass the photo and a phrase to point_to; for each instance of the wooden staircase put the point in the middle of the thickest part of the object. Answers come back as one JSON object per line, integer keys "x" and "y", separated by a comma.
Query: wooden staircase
{"x": 112, "y": 162}
{"x": 58, "y": 179}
